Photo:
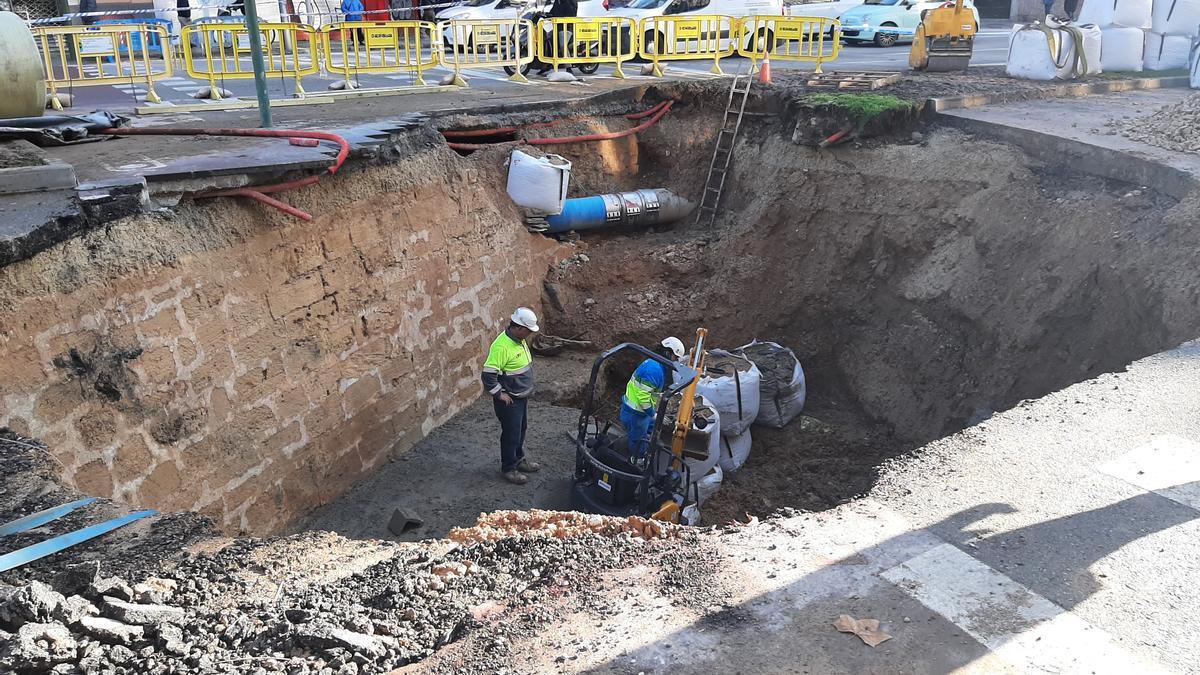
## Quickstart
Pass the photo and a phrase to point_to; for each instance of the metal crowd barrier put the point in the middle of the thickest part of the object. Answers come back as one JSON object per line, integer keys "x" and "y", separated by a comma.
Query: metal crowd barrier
{"x": 155, "y": 45}
{"x": 78, "y": 56}
{"x": 577, "y": 41}
{"x": 487, "y": 43}
{"x": 686, "y": 38}
{"x": 790, "y": 38}
{"x": 380, "y": 47}
{"x": 218, "y": 51}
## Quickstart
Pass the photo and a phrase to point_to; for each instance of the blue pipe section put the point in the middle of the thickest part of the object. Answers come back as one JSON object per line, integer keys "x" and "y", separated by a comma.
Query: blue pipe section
{"x": 66, "y": 541}
{"x": 637, "y": 208}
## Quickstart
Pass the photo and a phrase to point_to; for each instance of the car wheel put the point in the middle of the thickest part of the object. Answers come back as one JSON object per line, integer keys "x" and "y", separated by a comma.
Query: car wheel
{"x": 887, "y": 39}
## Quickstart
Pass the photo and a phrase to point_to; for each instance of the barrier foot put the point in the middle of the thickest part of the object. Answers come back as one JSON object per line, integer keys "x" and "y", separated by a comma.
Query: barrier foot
{"x": 299, "y": 90}
{"x": 214, "y": 92}
{"x": 817, "y": 70}
{"x": 54, "y": 102}
{"x": 518, "y": 77}
{"x": 618, "y": 73}
{"x": 657, "y": 70}
{"x": 152, "y": 96}
{"x": 716, "y": 69}
{"x": 421, "y": 81}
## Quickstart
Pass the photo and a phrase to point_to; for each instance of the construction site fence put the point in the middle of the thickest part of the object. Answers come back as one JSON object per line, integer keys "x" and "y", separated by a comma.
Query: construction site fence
{"x": 687, "y": 38}
{"x": 488, "y": 43}
{"x": 790, "y": 38}
{"x": 220, "y": 50}
{"x": 380, "y": 47}
{"x": 79, "y": 56}
{"x": 574, "y": 41}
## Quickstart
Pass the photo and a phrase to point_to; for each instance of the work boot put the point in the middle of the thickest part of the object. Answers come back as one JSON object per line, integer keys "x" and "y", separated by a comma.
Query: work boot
{"x": 528, "y": 466}
{"x": 516, "y": 477}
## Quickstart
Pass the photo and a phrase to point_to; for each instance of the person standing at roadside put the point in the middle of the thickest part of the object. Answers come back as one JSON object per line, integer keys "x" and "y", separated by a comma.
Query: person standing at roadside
{"x": 508, "y": 379}
{"x": 86, "y": 6}
{"x": 561, "y": 9}
{"x": 352, "y": 10}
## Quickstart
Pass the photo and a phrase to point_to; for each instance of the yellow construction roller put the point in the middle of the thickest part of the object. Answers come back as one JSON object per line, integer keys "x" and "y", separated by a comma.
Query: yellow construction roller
{"x": 23, "y": 86}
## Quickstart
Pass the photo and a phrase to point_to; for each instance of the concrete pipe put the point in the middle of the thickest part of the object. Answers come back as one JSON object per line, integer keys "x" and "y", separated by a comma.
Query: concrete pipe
{"x": 639, "y": 208}
{"x": 23, "y": 87}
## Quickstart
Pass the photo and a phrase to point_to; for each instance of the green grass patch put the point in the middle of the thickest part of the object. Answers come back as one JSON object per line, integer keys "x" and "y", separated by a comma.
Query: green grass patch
{"x": 1129, "y": 75}
{"x": 861, "y": 108}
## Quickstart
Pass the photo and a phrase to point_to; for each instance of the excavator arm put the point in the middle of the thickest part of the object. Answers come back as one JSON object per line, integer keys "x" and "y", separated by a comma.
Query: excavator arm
{"x": 670, "y": 509}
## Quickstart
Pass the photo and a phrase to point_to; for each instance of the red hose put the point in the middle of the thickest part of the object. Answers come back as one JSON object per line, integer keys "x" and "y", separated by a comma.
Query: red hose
{"x": 257, "y": 192}
{"x": 835, "y": 138}
{"x": 646, "y": 113}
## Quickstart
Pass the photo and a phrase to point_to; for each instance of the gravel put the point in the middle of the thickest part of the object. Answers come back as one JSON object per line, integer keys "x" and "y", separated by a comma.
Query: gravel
{"x": 1174, "y": 127}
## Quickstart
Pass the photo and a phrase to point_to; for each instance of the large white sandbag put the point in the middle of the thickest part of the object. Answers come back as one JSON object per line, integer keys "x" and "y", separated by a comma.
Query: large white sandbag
{"x": 1194, "y": 64}
{"x": 702, "y": 449}
{"x": 538, "y": 183}
{"x": 1031, "y": 52}
{"x": 735, "y": 450}
{"x": 731, "y": 382}
{"x": 709, "y": 485}
{"x": 1122, "y": 49}
{"x": 1098, "y": 12}
{"x": 1166, "y": 52}
{"x": 782, "y": 390}
{"x": 1175, "y": 17}
{"x": 1090, "y": 64}
{"x": 1132, "y": 13}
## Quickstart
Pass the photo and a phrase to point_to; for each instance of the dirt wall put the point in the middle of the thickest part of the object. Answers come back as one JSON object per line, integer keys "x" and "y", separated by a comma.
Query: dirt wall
{"x": 227, "y": 359}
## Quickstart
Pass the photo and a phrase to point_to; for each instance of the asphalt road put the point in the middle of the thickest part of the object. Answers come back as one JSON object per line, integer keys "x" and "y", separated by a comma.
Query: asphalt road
{"x": 990, "y": 50}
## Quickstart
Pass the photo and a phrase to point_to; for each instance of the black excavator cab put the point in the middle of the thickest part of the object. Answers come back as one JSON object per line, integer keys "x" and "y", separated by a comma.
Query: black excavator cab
{"x": 606, "y": 481}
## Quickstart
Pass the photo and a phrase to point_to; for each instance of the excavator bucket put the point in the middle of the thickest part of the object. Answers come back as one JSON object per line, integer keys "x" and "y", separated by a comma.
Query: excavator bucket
{"x": 944, "y": 55}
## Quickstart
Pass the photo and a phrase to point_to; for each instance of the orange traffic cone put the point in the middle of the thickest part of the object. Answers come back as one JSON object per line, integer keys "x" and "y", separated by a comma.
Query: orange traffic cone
{"x": 764, "y": 73}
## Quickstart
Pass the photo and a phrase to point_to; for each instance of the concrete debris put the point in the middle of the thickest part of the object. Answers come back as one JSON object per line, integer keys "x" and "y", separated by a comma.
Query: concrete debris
{"x": 33, "y": 603}
{"x": 403, "y": 520}
{"x": 559, "y": 524}
{"x": 866, "y": 629}
{"x": 110, "y": 631}
{"x": 74, "y": 608}
{"x": 141, "y": 614}
{"x": 1174, "y": 127}
{"x": 155, "y": 590}
{"x": 112, "y": 587}
{"x": 37, "y": 647}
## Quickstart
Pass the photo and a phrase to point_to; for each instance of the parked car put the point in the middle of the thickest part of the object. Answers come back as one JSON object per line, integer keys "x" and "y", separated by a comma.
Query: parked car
{"x": 887, "y": 22}
{"x": 641, "y": 9}
{"x": 823, "y": 10}
{"x": 507, "y": 9}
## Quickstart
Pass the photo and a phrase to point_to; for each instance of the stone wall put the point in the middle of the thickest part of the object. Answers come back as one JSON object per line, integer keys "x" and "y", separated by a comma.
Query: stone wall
{"x": 226, "y": 359}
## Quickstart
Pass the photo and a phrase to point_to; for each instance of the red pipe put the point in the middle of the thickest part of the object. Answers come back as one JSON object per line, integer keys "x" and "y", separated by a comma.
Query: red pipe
{"x": 646, "y": 113}
{"x": 258, "y": 192}
{"x": 666, "y": 106}
{"x": 835, "y": 138}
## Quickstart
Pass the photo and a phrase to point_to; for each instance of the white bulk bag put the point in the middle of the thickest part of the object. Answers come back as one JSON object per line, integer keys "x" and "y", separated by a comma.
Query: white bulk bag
{"x": 735, "y": 395}
{"x": 782, "y": 400}
{"x": 538, "y": 183}
{"x": 1121, "y": 49}
{"x": 1175, "y": 17}
{"x": 705, "y": 436}
{"x": 1032, "y": 53}
{"x": 1098, "y": 12}
{"x": 709, "y": 485}
{"x": 1132, "y": 13}
{"x": 1166, "y": 52}
{"x": 735, "y": 450}
{"x": 1092, "y": 48}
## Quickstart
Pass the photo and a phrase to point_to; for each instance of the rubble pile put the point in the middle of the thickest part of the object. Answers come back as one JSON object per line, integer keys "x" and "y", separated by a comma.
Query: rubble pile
{"x": 561, "y": 525}
{"x": 1174, "y": 127}
{"x": 201, "y": 616}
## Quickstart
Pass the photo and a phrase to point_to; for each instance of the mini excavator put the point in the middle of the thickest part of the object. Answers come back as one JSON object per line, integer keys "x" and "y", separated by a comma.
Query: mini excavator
{"x": 945, "y": 39}
{"x": 606, "y": 481}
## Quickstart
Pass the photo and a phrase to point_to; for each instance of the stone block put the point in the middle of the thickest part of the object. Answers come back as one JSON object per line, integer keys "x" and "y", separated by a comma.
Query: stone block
{"x": 297, "y": 293}
{"x": 94, "y": 478}
{"x": 97, "y": 428}
{"x": 161, "y": 486}
{"x": 290, "y": 435}
{"x": 141, "y": 614}
{"x": 157, "y": 364}
{"x": 132, "y": 459}
{"x": 164, "y": 325}
{"x": 110, "y": 631}
{"x": 360, "y": 394}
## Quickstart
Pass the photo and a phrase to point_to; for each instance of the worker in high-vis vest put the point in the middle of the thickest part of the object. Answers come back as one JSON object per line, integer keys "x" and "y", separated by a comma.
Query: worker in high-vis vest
{"x": 508, "y": 379}
{"x": 642, "y": 396}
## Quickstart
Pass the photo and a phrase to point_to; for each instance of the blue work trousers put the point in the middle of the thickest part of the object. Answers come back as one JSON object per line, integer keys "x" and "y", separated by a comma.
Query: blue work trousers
{"x": 637, "y": 426}
{"x": 512, "y": 431}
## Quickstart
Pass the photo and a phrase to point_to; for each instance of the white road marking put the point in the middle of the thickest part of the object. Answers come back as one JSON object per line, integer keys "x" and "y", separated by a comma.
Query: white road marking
{"x": 1168, "y": 466}
{"x": 1023, "y": 628}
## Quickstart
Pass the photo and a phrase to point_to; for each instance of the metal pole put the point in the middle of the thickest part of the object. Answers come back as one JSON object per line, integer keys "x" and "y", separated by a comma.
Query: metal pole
{"x": 250, "y": 7}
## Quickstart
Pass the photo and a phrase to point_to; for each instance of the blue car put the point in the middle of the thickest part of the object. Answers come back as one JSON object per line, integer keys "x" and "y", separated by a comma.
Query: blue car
{"x": 888, "y": 22}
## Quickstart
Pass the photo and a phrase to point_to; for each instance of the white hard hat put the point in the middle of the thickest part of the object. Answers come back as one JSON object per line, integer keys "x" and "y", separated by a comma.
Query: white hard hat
{"x": 675, "y": 345}
{"x": 525, "y": 317}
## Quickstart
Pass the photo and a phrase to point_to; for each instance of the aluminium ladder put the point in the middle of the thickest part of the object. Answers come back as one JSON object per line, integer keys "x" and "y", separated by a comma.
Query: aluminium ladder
{"x": 723, "y": 152}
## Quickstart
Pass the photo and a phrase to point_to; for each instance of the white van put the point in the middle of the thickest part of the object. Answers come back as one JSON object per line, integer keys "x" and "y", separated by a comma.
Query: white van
{"x": 641, "y": 9}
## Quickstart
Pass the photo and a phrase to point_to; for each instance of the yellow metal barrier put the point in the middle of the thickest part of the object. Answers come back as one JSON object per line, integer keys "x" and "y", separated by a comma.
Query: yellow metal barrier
{"x": 684, "y": 38}
{"x": 79, "y": 56}
{"x": 582, "y": 41}
{"x": 220, "y": 51}
{"x": 380, "y": 47}
{"x": 487, "y": 43}
{"x": 790, "y": 38}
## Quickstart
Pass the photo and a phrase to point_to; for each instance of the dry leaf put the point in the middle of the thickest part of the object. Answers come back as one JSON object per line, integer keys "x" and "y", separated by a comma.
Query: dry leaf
{"x": 866, "y": 629}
